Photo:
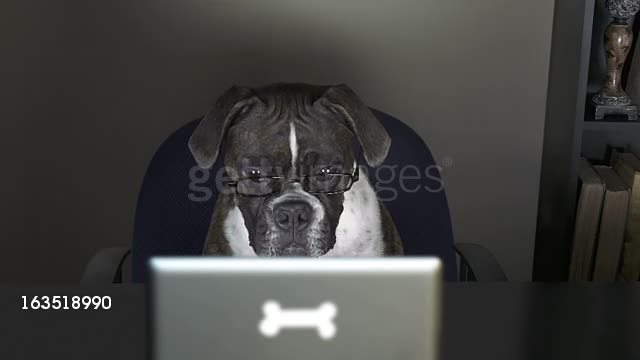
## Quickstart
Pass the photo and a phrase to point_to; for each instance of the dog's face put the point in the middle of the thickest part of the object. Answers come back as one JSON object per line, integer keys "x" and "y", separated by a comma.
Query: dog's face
{"x": 292, "y": 141}
{"x": 290, "y": 153}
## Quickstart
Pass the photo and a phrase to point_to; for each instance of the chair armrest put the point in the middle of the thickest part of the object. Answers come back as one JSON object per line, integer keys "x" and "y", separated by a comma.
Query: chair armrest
{"x": 477, "y": 263}
{"x": 106, "y": 266}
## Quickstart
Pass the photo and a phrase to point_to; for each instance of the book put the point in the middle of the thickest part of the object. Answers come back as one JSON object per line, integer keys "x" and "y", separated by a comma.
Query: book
{"x": 611, "y": 233}
{"x": 591, "y": 194}
{"x": 628, "y": 168}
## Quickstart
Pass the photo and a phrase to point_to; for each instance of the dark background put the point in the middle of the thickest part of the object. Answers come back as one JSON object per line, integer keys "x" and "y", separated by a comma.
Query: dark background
{"x": 89, "y": 89}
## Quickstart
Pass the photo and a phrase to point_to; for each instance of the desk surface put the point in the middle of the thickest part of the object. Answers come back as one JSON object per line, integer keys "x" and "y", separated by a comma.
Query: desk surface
{"x": 480, "y": 321}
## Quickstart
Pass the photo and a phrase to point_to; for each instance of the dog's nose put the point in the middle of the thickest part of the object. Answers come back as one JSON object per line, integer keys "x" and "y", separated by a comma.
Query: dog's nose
{"x": 292, "y": 215}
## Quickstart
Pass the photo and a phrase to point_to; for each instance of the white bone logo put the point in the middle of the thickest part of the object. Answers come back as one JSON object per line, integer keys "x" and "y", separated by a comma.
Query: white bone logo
{"x": 276, "y": 318}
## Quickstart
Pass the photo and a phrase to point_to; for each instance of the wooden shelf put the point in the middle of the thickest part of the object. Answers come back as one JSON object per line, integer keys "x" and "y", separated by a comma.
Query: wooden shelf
{"x": 609, "y": 123}
{"x": 612, "y": 125}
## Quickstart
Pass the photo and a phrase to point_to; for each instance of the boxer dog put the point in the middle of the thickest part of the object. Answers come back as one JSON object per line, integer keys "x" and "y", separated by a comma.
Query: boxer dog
{"x": 293, "y": 186}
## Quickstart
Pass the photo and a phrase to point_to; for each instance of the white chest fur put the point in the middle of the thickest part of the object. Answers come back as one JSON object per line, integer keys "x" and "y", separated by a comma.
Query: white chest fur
{"x": 359, "y": 231}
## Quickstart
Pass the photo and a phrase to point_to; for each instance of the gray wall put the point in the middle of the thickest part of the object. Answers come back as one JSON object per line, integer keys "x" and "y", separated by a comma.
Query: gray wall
{"x": 91, "y": 88}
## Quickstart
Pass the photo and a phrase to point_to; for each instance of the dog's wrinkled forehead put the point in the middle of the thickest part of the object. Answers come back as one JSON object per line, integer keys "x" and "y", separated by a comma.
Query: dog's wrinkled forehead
{"x": 289, "y": 123}
{"x": 288, "y": 129}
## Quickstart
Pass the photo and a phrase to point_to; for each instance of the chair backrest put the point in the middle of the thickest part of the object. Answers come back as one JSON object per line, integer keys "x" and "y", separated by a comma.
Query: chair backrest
{"x": 176, "y": 200}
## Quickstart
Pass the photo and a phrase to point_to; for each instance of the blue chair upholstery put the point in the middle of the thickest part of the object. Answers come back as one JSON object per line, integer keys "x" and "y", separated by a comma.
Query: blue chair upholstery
{"x": 173, "y": 212}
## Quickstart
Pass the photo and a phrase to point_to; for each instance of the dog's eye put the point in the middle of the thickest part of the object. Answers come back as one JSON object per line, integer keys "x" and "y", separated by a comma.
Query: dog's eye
{"x": 326, "y": 170}
{"x": 326, "y": 178}
{"x": 324, "y": 175}
{"x": 326, "y": 182}
{"x": 258, "y": 186}
{"x": 254, "y": 173}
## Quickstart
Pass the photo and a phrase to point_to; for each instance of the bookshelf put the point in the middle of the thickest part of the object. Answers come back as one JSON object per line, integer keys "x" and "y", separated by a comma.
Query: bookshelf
{"x": 613, "y": 126}
{"x": 576, "y": 72}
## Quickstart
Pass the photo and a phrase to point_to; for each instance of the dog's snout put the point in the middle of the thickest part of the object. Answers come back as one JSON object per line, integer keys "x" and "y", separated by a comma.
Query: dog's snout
{"x": 292, "y": 215}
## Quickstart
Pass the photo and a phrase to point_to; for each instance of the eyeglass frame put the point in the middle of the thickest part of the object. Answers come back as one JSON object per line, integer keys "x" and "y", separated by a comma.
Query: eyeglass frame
{"x": 355, "y": 176}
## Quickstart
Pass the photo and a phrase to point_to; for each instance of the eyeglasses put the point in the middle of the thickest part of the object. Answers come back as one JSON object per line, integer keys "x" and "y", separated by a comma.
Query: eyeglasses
{"x": 324, "y": 183}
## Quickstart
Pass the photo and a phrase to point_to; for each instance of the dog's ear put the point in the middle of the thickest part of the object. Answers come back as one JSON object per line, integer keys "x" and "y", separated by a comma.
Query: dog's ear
{"x": 370, "y": 133}
{"x": 205, "y": 141}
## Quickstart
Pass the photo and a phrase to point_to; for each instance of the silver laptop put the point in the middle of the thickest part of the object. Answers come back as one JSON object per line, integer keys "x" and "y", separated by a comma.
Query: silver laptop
{"x": 295, "y": 308}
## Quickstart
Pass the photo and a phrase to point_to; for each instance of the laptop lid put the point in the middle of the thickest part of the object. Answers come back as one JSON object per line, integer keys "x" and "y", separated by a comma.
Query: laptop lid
{"x": 295, "y": 308}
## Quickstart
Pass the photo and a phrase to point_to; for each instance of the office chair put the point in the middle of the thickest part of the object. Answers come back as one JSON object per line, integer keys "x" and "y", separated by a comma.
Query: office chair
{"x": 177, "y": 199}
